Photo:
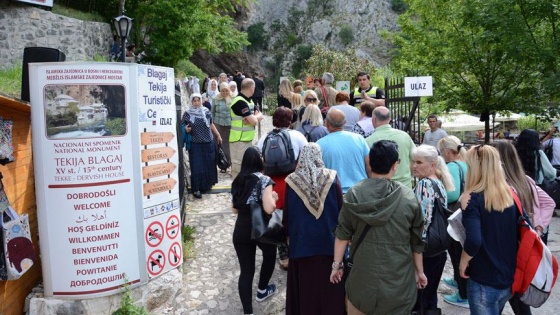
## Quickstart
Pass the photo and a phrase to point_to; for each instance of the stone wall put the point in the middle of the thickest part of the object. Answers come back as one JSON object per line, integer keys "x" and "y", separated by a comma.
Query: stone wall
{"x": 27, "y": 26}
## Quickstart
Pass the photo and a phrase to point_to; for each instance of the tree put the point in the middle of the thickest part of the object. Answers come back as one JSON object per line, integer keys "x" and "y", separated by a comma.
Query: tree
{"x": 344, "y": 65}
{"x": 476, "y": 51}
{"x": 171, "y": 30}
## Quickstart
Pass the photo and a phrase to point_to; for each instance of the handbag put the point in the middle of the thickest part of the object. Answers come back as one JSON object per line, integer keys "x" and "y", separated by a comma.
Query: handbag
{"x": 437, "y": 239}
{"x": 454, "y": 206}
{"x": 266, "y": 228}
{"x": 221, "y": 159}
{"x": 17, "y": 254}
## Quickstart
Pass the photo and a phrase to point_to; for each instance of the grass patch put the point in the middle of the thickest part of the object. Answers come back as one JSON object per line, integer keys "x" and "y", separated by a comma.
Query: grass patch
{"x": 11, "y": 81}
{"x": 127, "y": 304}
{"x": 84, "y": 16}
{"x": 187, "y": 233}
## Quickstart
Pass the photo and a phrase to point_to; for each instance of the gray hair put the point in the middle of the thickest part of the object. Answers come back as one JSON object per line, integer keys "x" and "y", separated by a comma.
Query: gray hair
{"x": 430, "y": 154}
{"x": 336, "y": 123}
{"x": 328, "y": 78}
{"x": 377, "y": 113}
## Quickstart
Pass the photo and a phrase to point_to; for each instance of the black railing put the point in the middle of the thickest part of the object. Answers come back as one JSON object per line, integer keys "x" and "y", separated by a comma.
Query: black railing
{"x": 405, "y": 111}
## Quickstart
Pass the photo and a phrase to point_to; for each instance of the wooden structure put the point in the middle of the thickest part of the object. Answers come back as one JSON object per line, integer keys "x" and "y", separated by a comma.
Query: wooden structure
{"x": 20, "y": 188}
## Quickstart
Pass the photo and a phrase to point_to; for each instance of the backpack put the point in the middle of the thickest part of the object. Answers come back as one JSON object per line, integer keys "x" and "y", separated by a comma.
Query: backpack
{"x": 307, "y": 134}
{"x": 278, "y": 153}
{"x": 536, "y": 268}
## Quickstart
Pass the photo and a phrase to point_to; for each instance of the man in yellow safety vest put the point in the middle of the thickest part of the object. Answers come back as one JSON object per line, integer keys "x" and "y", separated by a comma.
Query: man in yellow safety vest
{"x": 244, "y": 118}
{"x": 365, "y": 91}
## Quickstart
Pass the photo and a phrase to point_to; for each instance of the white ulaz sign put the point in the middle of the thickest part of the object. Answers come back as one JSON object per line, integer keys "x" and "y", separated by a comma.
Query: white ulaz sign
{"x": 418, "y": 86}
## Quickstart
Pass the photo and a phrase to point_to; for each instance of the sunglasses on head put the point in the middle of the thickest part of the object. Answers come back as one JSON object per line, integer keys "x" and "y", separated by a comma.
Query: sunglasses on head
{"x": 311, "y": 99}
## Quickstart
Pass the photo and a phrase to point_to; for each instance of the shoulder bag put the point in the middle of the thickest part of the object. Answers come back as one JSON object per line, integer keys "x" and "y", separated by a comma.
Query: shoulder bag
{"x": 437, "y": 238}
{"x": 266, "y": 228}
{"x": 221, "y": 158}
{"x": 454, "y": 206}
{"x": 350, "y": 261}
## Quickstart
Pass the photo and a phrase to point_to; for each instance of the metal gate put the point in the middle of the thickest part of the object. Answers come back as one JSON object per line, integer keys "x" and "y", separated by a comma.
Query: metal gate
{"x": 405, "y": 111}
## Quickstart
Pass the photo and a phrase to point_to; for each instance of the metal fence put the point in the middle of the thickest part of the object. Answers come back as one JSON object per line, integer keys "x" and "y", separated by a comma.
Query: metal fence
{"x": 405, "y": 111}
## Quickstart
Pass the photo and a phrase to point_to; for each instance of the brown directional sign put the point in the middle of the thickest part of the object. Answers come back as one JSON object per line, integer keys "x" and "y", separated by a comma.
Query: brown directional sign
{"x": 159, "y": 186}
{"x": 155, "y": 154}
{"x": 156, "y": 137}
{"x": 157, "y": 170}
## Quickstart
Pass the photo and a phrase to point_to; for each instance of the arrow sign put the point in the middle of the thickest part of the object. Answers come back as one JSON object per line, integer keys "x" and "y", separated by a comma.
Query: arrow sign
{"x": 159, "y": 186}
{"x": 156, "y": 137}
{"x": 157, "y": 170}
{"x": 149, "y": 155}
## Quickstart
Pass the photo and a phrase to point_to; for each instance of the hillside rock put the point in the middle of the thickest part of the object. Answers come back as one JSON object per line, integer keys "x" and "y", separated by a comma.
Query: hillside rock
{"x": 310, "y": 22}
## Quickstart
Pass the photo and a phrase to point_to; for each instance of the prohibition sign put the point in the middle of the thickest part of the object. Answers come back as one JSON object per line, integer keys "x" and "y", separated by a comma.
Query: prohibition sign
{"x": 174, "y": 254}
{"x": 172, "y": 227}
{"x": 154, "y": 234}
{"x": 156, "y": 262}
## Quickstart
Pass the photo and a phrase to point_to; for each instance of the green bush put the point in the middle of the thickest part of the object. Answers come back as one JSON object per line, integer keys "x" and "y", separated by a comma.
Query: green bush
{"x": 303, "y": 52}
{"x": 530, "y": 122}
{"x": 127, "y": 305}
{"x": 186, "y": 67}
{"x": 257, "y": 35}
{"x": 346, "y": 35}
{"x": 399, "y": 6}
{"x": 116, "y": 126}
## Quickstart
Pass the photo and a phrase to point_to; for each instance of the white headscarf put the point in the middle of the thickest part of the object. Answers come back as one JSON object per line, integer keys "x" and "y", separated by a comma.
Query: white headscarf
{"x": 233, "y": 83}
{"x": 197, "y": 112}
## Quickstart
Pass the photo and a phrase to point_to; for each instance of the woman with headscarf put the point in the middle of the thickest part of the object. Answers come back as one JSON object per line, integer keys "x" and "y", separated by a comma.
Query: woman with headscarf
{"x": 211, "y": 93}
{"x": 222, "y": 116}
{"x": 199, "y": 123}
{"x": 312, "y": 203}
{"x": 233, "y": 88}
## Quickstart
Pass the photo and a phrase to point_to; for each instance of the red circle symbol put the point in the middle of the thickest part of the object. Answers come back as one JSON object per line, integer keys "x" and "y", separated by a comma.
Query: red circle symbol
{"x": 156, "y": 262}
{"x": 172, "y": 226}
{"x": 154, "y": 234}
{"x": 175, "y": 254}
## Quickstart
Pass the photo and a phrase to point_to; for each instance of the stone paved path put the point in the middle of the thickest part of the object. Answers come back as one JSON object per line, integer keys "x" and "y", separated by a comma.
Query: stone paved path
{"x": 210, "y": 276}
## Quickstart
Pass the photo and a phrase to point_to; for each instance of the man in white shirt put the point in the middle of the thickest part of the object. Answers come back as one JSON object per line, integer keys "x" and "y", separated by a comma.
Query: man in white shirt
{"x": 432, "y": 136}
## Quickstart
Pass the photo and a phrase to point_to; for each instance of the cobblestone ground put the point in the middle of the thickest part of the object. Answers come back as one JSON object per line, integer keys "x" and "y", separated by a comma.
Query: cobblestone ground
{"x": 210, "y": 276}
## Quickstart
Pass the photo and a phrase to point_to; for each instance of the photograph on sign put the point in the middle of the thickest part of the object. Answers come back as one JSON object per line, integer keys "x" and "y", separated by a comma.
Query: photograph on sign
{"x": 343, "y": 86}
{"x": 84, "y": 111}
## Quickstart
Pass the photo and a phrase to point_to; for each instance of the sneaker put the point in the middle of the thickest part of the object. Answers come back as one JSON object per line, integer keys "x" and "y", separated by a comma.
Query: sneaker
{"x": 450, "y": 282}
{"x": 455, "y": 299}
{"x": 270, "y": 290}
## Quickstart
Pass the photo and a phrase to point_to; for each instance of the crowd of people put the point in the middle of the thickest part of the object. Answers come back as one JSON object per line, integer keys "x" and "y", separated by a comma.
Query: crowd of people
{"x": 364, "y": 190}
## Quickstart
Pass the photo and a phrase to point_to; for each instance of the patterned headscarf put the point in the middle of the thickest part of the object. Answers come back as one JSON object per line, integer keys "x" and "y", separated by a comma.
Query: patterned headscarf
{"x": 197, "y": 112}
{"x": 311, "y": 180}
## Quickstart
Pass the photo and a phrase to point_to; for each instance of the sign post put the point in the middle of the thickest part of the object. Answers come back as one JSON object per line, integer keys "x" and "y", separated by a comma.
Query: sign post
{"x": 105, "y": 161}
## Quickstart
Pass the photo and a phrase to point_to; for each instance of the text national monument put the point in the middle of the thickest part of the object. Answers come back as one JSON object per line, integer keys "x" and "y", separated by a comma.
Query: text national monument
{"x": 106, "y": 175}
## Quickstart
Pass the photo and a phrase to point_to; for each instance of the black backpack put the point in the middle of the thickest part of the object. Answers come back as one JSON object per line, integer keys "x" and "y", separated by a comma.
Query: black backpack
{"x": 278, "y": 153}
{"x": 549, "y": 149}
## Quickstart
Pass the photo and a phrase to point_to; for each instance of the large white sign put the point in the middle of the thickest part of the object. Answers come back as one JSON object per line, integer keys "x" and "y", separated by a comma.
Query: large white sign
{"x": 418, "y": 86}
{"x": 45, "y": 3}
{"x": 105, "y": 158}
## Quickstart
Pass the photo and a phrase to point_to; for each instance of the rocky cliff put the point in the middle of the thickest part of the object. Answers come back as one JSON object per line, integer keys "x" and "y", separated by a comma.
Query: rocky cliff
{"x": 287, "y": 26}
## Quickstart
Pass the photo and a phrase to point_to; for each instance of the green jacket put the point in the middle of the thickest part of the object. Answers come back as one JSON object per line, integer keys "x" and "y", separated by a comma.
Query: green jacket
{"x": 382, "y": 280}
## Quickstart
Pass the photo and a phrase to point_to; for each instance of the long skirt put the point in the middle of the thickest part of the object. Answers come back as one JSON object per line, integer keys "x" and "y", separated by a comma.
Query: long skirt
{"x": 204, "y": 173}
{"x": 309, "y": 290}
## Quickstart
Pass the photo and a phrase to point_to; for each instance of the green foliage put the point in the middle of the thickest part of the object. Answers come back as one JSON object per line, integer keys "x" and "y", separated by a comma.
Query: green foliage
{"x": 399, "y": 6}
{"x": 531, "y": 122}
{"x": 100, "y": 58}
{"x": 127, "y": 305}
{"x": 187, "y": 234}
{"x": 10, "y": 84}
{"x": 270, "y": 104}
{"x": 344, "y": 65}
{"x": 257, "y": 36}
{"x": 320, "y": 8}
{"x": 191, "y": 24}
{"x": 116, "y": 126}
{"x": 303, "y": 52}
{"x": 346, "y": 34}
{"x": 80, "y": 10}
{"x": 187, "y": 68}
{"x": 479, "y": 53}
